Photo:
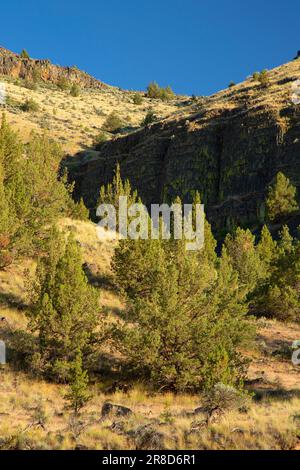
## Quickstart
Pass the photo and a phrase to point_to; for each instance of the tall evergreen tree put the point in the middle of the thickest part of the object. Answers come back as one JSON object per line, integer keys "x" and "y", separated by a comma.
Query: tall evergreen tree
{"x": 65, "y": 308}
{"x": 245, "y": 260}
{"x": 185, "y": 316}
{"x": 279, "y": 293}
{"x": 78, "y": 395}
{"x": 110, "y": 193}
{"x": 281, "y": 199}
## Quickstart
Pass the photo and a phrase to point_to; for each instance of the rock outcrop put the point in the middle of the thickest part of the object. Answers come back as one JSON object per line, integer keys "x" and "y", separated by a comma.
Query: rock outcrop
{"x": 229, "y": 149}
{"x": 15, "y": 66}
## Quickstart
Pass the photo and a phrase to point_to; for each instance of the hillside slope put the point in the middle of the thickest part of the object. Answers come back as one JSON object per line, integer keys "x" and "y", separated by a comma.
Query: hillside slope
{"x": 229, "y": 147}
{"x": 73, "y": 121}
{"x": 33, "y": 413}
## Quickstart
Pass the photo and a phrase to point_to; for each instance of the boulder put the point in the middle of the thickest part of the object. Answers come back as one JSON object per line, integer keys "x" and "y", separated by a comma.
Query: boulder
{"x": 117, "y": 410}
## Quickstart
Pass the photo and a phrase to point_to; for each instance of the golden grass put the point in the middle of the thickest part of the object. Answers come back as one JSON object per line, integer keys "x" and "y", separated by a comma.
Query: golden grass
{"x": 169, "y": 418}
{"x": 76, "y": 121}
{"x": 267, "y": 425}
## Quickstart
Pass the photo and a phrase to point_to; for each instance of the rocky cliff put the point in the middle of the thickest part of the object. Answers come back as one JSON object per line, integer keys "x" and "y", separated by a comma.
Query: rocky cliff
{"x": 229, "y": 148}
{"x": 13, "y": 65}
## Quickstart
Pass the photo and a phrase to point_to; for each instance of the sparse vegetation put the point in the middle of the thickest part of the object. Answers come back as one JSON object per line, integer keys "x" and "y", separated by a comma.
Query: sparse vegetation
{"x": 63, "y": 84}
{"x": 150, "y": 118}
{"x": 75, "y": 90}
{"x": 30, "y": 106}
{"x": 112, "y": 123}
{"x": 262, "y": 77}
{"x": 155, "y": 91}
{"x": 24, "y": 54}
{"x": 137, "y": 99}
{"x": 100, "y": 138}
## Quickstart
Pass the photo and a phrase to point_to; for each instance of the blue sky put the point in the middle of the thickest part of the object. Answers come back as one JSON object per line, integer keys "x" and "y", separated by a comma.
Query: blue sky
{"x": 195, "y": 46}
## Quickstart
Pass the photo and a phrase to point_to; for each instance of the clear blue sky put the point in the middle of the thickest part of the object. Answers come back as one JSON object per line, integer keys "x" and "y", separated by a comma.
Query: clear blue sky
{"x": 193, "y": 45}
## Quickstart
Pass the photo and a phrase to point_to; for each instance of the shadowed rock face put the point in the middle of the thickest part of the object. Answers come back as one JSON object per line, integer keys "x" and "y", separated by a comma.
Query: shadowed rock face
{"x": 229, "y": 150}
{"x": 14, "y": 66}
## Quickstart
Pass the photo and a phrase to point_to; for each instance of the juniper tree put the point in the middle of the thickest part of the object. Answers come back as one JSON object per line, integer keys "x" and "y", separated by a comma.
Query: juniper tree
{"x": 185, "y": 314}
{"x": 244, "y": 258}
{"x": 5, "y": 224}
{"x": 77, "y": 395}
{"x": 112, "y": 123}
{"x": 279, "y": 296}
{"x": 24, "y": 54}
{"x": 281, "y": 199}
{"x": 65, "y": 311}
{"x": 111, "y": 193}
{"x": 34, "y": 192}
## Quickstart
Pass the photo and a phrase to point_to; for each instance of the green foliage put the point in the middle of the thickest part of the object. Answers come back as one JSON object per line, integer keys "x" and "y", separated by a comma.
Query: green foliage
{"x": 137, "y": 99}
{"x": 185, "y": 316}
{"x": 155, "y": 91}
{"x": 75, "y": 90}
{"x": 63, "y": 84}
{"x": 224, "y": 398}
{"x": 30, "y": 106}
{"x": 100, "y": 138}
{"x": 264, "y": 78}
{"x": 30, "y": 84}
{"x": 111, "y": 193}
{"x": 24, "y": 54}
{"x": 278, "y": 295}
{"x": 149, "y": 118}
{"x": 65, "y": 312}
{"x": 231, "y": 84}
{"x": 80, "y": 211}
{"x": 112, "y": 123}
{"x": 33, "y": 194}
{"x": 240, "y": 248}
{"x": 281, "y": 199}
{"x": 77, "y": 396}
{"x": 5, "y": 224}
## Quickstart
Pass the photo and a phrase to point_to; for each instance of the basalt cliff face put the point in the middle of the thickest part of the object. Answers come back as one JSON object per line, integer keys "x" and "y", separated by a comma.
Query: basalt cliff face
{"x": 229, "y": 147}
{"x": 13, "y": 65}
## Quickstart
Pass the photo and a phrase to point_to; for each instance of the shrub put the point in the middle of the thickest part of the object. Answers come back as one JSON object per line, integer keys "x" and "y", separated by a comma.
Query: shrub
{"x": 231, "y": 84}
{"x": 224, "y": 398}
{"x": 155, "y": 91}
{"x": 100, "y": 138}
{"x": 112, "y": 123}
{"x": 63, "y": 84}
{"x": 264, "y": 78}
{"x": 30, "y": 106}
{"x": 30, "y": 84}
{"x": 137, "y": 99}
{"x": 24, "y": 54}
{"x": 75, "y": 90}
{"x": 149, "y": 118}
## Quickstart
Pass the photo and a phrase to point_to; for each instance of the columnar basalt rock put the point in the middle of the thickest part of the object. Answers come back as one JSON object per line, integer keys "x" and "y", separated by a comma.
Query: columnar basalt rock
{"x": 230, "y": 150}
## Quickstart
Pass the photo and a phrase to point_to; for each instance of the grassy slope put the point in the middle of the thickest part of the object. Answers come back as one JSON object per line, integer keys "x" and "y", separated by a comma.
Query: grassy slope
{"x": 75, "y": 121}
{"x": 272, "y": 422}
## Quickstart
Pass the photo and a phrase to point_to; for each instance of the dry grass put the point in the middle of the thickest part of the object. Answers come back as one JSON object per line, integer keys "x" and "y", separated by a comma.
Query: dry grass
{"x": 168, "y": 420}
{"x": 76, "y": 121}
{"x": 159, "y": 420}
